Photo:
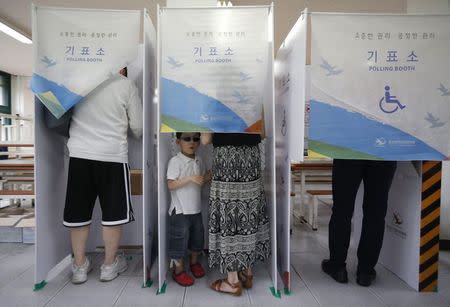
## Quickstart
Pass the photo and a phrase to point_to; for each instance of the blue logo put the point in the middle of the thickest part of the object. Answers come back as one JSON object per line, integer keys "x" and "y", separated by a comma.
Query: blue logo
{"x": 204, "y": 117}
{"x": 390, "y": 103}
{"x": 380, "y": 142}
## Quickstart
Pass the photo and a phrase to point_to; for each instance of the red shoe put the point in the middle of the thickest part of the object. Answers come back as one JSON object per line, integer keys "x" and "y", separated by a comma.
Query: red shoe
{"x": 197, "y": 270}
{"x": 183, "y": 279}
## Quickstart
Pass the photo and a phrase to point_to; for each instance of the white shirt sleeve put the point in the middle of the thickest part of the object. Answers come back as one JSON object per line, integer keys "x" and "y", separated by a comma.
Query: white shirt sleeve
{"x": 134, "y": 112}
{"x": 173, "y": 170}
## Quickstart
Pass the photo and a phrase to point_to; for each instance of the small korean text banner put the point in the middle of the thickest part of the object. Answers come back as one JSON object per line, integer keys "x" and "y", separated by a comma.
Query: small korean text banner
{"x": 75, "y": 50}
{"x": 380, "y": 87}
{"x": 214, "y": 65}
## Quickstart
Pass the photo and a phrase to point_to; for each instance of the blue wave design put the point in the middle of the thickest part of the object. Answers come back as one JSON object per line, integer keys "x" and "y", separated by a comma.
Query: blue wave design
{"x": 66, "y": 98}
{"x": 337, "y": 126}
{"x": 188, "y": 104}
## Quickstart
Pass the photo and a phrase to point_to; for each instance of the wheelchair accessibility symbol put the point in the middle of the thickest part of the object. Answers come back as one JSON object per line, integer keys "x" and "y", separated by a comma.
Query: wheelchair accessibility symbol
{"x": 390, "y": 103}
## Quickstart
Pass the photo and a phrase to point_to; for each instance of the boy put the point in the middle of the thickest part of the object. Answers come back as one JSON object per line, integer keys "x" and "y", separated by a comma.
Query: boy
{"x": 185, "y": 176}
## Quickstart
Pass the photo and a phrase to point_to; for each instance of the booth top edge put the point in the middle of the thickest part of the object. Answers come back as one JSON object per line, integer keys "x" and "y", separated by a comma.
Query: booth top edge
{"x": 84, "y": 9}
{"x": 216, "y": 7}
{"x": 375, "y": 14}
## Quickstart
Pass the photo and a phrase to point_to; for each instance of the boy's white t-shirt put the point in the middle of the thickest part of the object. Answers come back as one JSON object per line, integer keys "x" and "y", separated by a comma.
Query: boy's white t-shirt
{"x": 187, "y": 199}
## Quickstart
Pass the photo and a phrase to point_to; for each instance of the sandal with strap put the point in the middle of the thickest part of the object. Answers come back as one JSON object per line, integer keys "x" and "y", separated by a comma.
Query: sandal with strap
{"x": 217, "y": 286}
{"x": 247, "y": 280}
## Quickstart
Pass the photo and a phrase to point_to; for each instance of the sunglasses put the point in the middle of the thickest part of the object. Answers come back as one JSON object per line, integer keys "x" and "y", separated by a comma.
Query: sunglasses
{"x": 190, "y": 138}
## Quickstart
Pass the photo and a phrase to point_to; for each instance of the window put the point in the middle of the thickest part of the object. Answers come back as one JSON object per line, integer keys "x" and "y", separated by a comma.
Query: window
{"x": 5, "y": 93}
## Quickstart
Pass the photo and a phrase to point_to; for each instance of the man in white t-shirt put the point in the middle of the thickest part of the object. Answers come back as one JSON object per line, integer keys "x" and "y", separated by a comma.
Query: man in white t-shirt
{"x": 185, "y": 176}
{"x": 98, "y": 167}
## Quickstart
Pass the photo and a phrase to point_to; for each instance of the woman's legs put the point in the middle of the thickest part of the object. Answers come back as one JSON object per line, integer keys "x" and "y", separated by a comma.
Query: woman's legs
{"x": 233, "y": 277}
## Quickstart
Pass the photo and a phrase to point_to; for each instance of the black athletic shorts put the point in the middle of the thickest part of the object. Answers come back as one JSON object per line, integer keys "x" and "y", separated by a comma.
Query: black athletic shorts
{"x": 110, "y": 181}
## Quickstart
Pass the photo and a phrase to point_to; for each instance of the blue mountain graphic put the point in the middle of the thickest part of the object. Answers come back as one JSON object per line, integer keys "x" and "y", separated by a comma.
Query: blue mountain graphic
{"x": 188, "y": 104}
{"x": 337, "y": 126}
{"x": 67, "y": 98}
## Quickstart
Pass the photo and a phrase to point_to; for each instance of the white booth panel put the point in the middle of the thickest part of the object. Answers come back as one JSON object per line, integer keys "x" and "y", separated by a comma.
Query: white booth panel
{"x": 150, "y": 188}
{"x": 401, "y": 245}
{"x": 51, "y": 167}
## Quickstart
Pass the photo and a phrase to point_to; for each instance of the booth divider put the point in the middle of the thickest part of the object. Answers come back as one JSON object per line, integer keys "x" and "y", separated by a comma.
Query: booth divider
{"x": 149, "y": 166}
{"x": 166, "y": 150}
{"x": 51, "y": 159}
{"x": 290, "y": 69}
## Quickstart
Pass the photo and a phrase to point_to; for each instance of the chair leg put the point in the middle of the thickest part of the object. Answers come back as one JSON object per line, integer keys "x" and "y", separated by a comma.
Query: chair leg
{"x": 291, "y": 222}
{"x": 315, "y": 212}
{"x": 310, "y": 210}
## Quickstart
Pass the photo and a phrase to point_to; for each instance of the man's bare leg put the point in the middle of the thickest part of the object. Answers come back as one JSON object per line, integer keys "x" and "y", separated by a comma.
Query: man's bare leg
{"x": 111, "y": 239}
{"x": 79, "y": 236}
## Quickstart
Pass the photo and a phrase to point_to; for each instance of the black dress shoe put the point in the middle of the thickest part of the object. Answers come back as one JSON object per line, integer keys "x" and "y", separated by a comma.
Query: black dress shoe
{"x": 338, "y": 273}
{"x": 365, "y": 279}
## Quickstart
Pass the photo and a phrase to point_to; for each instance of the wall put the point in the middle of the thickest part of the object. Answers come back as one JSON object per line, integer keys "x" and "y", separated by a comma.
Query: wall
{"x": 288, "y": 11}
{"x": 22, "y": 96}
{"x": 18, "y": 13}
{"x": 22, "y": 104}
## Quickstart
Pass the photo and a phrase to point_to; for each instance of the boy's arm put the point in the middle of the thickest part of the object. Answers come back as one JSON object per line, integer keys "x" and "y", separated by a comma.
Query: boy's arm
{"x": 174, "y": 184}
{"x": 174, "y": 181}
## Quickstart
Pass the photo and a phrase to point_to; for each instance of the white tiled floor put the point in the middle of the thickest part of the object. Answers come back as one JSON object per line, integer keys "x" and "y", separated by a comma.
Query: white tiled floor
{"x": 310, "y": 287}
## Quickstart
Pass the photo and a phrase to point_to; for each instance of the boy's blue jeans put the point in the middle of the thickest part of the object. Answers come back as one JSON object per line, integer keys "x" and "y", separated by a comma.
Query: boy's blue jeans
{"x": 185, "y": 231}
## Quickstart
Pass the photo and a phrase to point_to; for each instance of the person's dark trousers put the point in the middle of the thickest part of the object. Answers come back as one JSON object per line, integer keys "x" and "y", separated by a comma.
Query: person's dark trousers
{"x": 347, "y": 176}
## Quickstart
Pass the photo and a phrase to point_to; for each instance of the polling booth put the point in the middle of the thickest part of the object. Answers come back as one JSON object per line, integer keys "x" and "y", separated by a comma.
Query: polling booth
{"x": 215, "y": 75}
{"x": 74, "y": 51}
{"x": 290, "y": 74}
{"x": 379, "y": 91}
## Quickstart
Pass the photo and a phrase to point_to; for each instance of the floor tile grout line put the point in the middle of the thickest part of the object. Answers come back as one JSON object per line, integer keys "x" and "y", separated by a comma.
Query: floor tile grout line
{"x": 307, "y": 286}
{"x": 121, "y": 291}
{"x": 374, "y": 293}
{"x": 249, "y": 298}
{"x": 299, "y": 268}
{"x": 94, "y": 259}
{"x": 184, "y": 296}
{"x": 16, "y": 277}
{"x": 57, "y": 292}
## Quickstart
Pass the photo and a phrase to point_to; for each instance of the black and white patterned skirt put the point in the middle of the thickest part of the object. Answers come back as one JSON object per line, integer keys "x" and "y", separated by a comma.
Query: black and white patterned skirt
{"x": 239, "y": 227}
